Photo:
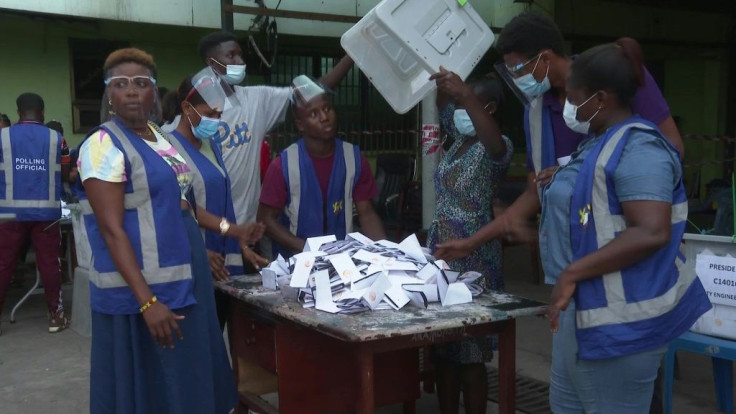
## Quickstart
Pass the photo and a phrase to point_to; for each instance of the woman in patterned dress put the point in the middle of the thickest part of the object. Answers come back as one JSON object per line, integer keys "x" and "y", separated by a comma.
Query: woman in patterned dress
{"x": 466, "y": 181}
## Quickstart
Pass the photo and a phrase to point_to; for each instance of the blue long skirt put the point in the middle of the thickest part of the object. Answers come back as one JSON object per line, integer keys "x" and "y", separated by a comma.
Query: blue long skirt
{"x": 131, "y": 373}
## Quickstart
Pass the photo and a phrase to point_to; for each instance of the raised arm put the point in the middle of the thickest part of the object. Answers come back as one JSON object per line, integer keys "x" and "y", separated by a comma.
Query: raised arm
{"x": 486, "y": 128}
{"x": 338, "y": 73}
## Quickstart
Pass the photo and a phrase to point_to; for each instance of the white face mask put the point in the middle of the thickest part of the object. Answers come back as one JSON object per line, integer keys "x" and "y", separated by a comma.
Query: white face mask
{"x": 463, "y": 123}
{"x": 234, "y": 74}
{"x": 570, "y": 114}
{"x": 529, "y": 86}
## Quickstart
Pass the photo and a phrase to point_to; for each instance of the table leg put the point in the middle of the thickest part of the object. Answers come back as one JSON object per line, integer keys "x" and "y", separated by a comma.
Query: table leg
{"x": 366, "y": 399}
{"x": 507, "y": 367}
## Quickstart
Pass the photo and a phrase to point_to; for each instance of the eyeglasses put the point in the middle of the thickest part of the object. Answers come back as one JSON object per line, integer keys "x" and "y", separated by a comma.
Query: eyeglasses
{"x": 124, "y": 82}
{"x": 514, "y": 70}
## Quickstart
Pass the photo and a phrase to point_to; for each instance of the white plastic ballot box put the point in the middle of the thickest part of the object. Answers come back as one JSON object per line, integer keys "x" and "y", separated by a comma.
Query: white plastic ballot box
{"x": 400, "y": 43}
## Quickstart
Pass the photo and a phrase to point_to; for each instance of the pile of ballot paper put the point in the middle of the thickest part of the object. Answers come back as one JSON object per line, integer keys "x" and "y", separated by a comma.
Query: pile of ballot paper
{"x": 357, "y": 274}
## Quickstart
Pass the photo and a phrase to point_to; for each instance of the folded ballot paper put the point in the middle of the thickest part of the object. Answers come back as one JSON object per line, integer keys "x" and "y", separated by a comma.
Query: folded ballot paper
{"x": 358, "y": 275}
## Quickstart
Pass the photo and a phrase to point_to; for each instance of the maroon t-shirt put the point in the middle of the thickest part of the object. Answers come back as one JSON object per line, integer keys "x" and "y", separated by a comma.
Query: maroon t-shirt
{"x": 273, "y": 193}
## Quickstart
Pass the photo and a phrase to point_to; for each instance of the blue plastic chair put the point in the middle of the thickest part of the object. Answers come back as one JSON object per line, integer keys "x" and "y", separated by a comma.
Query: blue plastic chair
{"x": 723, "y": 353}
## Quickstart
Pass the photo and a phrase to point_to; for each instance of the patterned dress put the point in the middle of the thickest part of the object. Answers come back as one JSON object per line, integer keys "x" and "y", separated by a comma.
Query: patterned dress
{"x": 466, "y": 185}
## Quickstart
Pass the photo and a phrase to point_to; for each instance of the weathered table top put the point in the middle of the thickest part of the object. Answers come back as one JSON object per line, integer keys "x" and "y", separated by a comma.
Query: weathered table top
{"x": 372, "y": 325}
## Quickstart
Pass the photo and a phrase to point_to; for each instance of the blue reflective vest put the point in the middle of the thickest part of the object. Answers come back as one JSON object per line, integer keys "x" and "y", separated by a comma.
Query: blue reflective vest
{"x": 646, "y": 305}
{"x": 306, "y": 214}
{"x": 154, "y": 224}
{"x": 30, "y": 172}
{"x": 211, "y": 186}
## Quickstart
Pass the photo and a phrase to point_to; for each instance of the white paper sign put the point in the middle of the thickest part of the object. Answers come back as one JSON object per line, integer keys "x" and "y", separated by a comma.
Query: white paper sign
{"x": 718, "y": 276}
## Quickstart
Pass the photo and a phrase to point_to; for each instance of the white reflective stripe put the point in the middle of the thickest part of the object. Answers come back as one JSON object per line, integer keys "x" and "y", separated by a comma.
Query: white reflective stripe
{"x": 54, "y": 167}
{"x": 200, "y": 194}
{"x": 233, "y": 259}
{"x": 30, "y": 203}
{"x": 349, "y": 155}
{"x": 633, "y": 312}
{"x": 535, "y": 132}
{"x": 605, "y": 225}
{"x": 679, "y": 214}
{"x": 153, "y": 276}
{"x": 295, "y": 185}
{"x": 141, "y": 192}
{"x": 7, "y": 163}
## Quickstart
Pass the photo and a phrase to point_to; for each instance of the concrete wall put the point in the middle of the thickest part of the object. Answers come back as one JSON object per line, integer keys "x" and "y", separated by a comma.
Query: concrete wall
{"x": 36, "y": 58}
{"x": 206, "y": 13}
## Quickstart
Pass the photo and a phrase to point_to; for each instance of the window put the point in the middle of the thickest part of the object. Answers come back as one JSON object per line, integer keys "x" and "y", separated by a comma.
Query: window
{"x": 87, "y": 59}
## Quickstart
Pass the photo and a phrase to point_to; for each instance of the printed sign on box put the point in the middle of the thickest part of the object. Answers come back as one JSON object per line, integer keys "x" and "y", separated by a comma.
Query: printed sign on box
{"x": 718, "y": 276}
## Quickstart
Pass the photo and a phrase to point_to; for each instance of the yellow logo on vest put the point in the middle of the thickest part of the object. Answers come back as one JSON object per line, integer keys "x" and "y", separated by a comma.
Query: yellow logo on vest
{"x": 337, "y": 207}
{"x": 584, "y": 213}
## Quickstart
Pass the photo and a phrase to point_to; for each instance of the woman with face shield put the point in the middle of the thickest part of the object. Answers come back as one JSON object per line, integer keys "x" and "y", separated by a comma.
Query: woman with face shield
{"x": 150, "y": 281}
{"x": 200, "y": 100}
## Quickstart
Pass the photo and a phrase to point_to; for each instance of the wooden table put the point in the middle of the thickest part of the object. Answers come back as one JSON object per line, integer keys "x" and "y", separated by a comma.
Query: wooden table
{"x": 304, "y": 345}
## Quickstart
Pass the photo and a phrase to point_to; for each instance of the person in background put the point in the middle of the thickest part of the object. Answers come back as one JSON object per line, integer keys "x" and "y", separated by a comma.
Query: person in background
{"x": 4, "y": 121}
{"x": 465, "y": 182}
{"x": 33, "y": 168}
{"x": 610, "y": 238}
{"x": 318, "y": 163}
{"x": 201, "y": 99}
{"x": 149, "y": 281}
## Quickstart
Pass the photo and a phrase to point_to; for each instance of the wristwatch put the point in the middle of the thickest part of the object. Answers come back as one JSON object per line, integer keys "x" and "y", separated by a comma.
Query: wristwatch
{"x": 224, "y": 226}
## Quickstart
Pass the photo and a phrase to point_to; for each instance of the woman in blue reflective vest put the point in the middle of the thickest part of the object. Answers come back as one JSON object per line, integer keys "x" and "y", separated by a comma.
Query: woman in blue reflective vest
{"x": 610, "y": 235}
{"x": 200, "y": 100}
{"x": 149, "y": 278}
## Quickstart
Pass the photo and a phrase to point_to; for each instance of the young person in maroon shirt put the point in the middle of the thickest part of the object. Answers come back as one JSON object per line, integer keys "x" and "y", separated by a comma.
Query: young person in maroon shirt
{"x": 323, "y": 156}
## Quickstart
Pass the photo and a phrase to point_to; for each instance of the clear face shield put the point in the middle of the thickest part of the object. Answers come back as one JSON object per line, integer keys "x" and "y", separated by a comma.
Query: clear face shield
{"x": 143, "y": 85}
{"x": 213, "y": 90}
{"x": 508, "y": 77}
{"x": 304, "y": 89}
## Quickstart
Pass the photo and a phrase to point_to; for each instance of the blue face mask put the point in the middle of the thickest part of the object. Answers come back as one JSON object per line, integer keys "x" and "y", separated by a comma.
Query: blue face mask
{"x": 463, "y": 123}
{"x": 529, "y": 86}
{"x": 207, "y": 127}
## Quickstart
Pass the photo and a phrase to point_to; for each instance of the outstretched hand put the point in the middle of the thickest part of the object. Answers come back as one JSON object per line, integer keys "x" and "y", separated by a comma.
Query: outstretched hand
{"x": 255, "y": 259}
{"x": 453, "y": 249}
{"x": 249, "y": 233}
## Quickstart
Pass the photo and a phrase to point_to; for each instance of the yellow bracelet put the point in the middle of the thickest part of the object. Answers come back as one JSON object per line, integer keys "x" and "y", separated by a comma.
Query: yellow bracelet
{"x": 149, "y": 304}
